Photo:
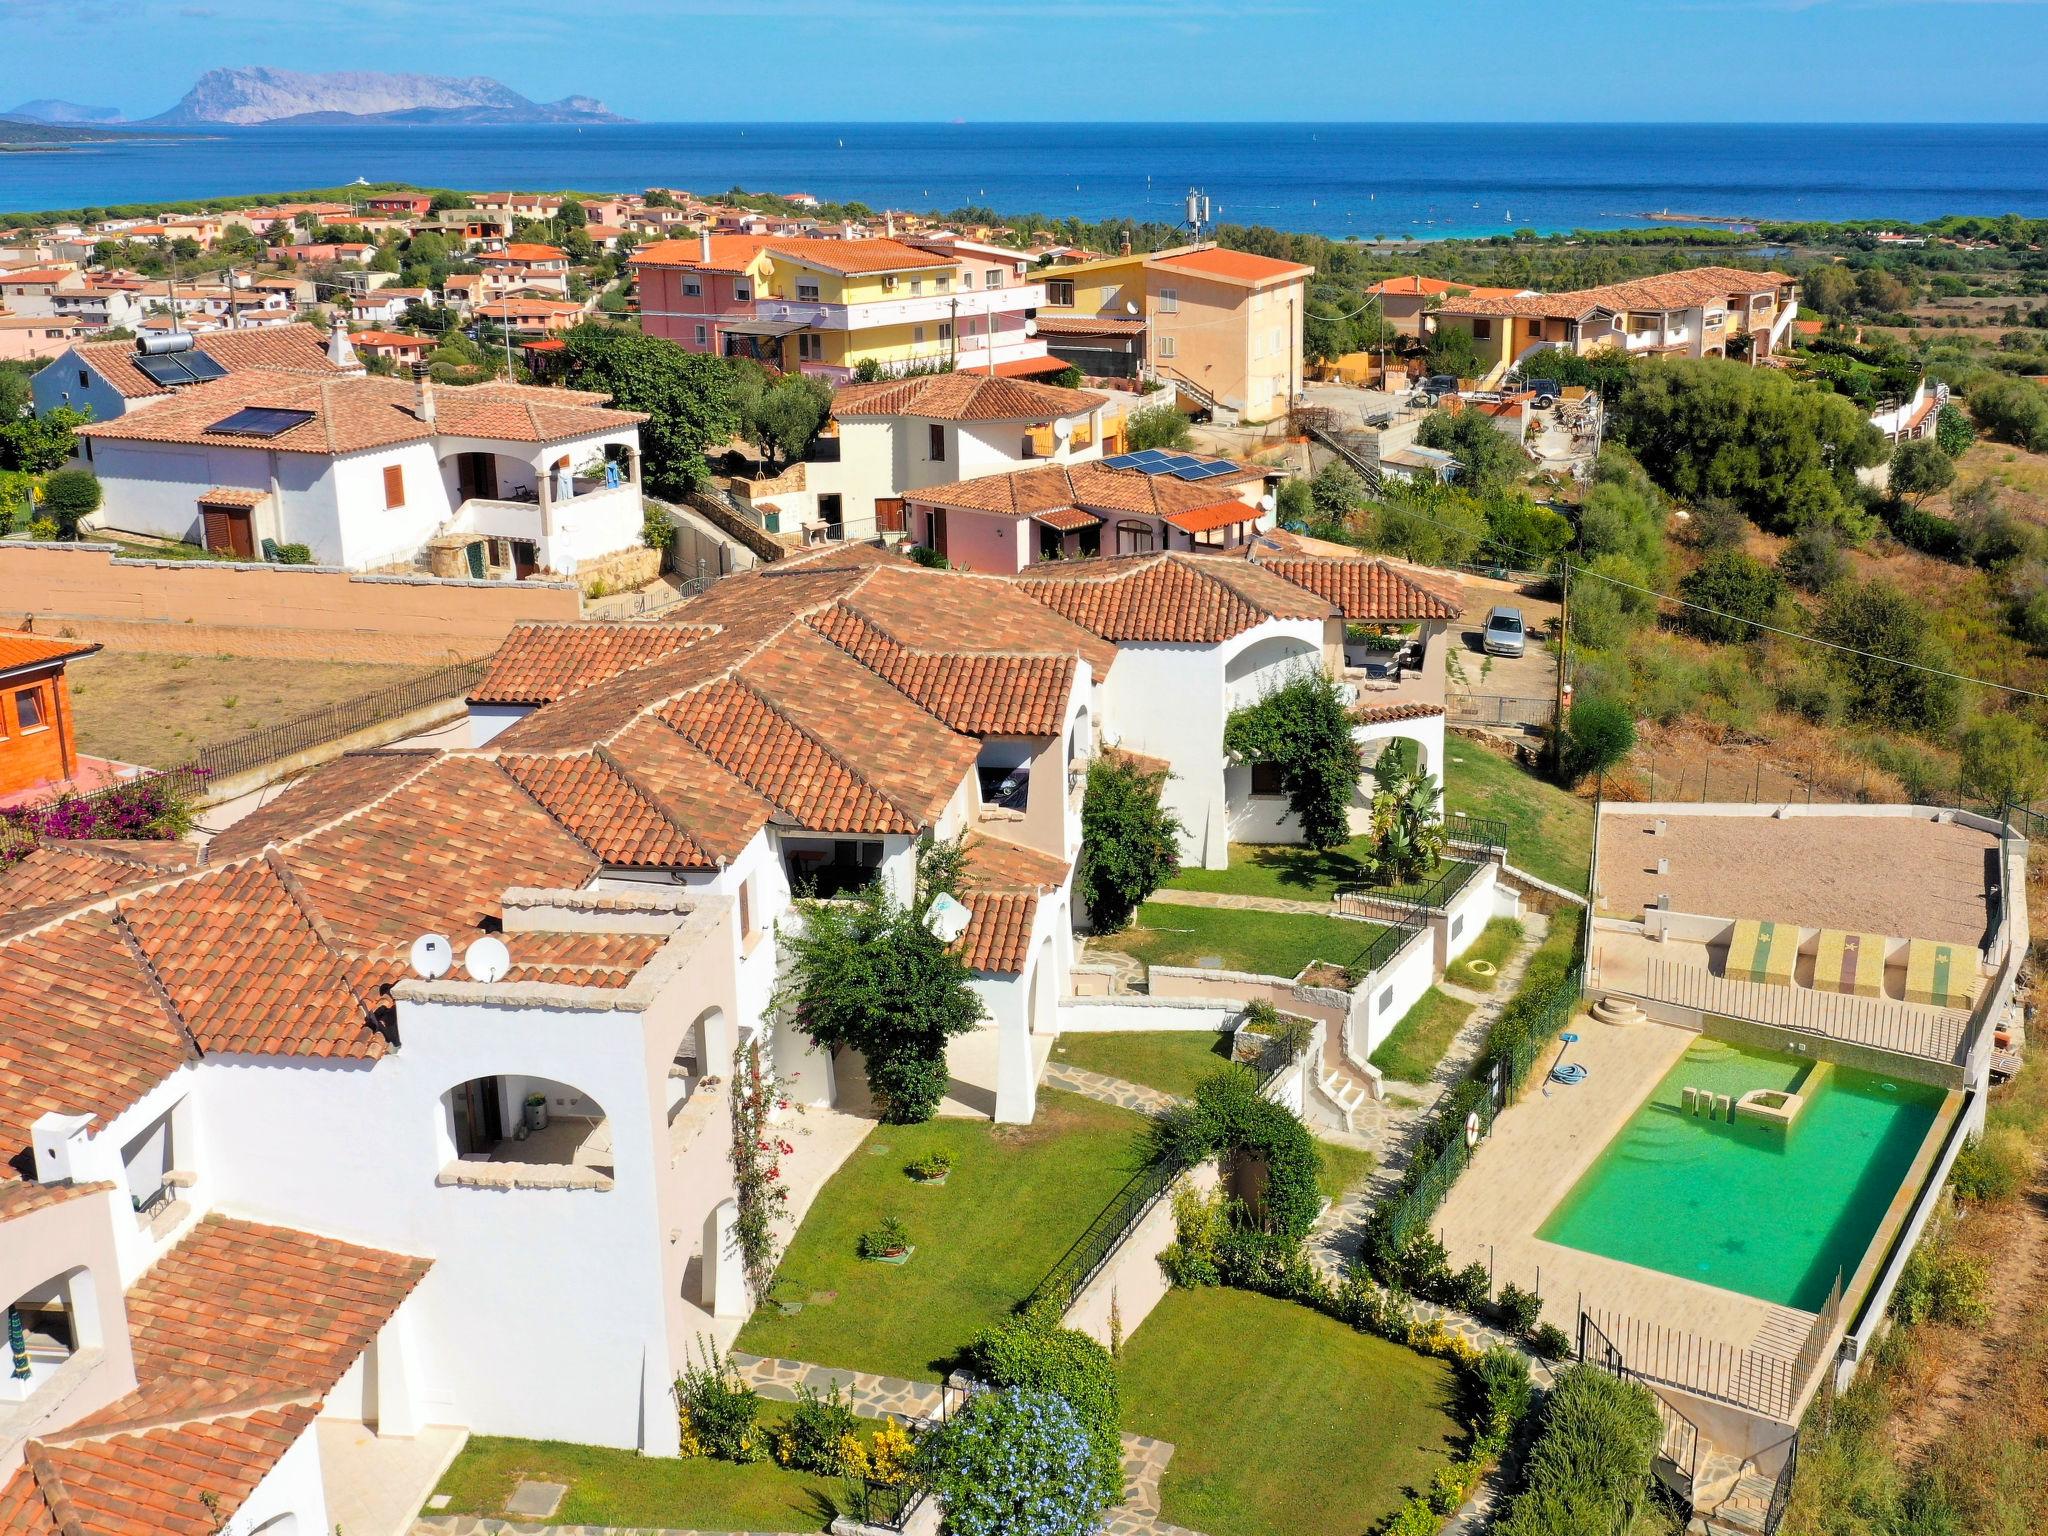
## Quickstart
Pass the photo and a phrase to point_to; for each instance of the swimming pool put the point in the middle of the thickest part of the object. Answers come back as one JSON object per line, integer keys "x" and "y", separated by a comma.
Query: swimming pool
{"x": 1770, "y": 1211}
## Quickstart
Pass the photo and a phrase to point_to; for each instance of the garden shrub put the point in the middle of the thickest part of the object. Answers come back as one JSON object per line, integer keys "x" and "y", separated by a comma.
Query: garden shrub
{"x": 68, "y": 496}
{"x": 1303, "y": 728}
{"x": 1031, "y": 1356}
{"x": 1499, "y": 1394}
{"x": 1519, "y": 1310}
{"x": 1591, "y": 1461}
{"x": 1200, "y": 1223}
{"x": 1598, "y": 734}
{"x": 886, "y": 1236}
{"x": 1941, "y": 1285}
{"x": 294, "y": 554}
{"x": 1550, "y": 1341}
{"x": 1227, "y": 1114}
{"x": 1130, "y": 843}
{"x": 1993, "y": 1167}
{"x": 929, "y": 558}
{"x": 821, "y": 1435}
{"x": 717, "y": 1411}
{"x": 1017, "y": 1463}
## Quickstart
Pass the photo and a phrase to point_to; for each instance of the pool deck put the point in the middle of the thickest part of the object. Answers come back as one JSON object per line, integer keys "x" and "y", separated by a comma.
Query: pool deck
{"x": 1537, "y": 1152}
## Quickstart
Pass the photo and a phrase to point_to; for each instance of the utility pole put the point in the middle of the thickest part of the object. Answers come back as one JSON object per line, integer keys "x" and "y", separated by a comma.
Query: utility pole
{"x": 1564, "y": 614}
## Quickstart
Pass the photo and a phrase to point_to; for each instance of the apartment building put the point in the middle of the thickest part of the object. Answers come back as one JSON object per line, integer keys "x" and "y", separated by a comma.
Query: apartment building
{"x": 1700, "y": 312}
{"x": 826, "y": 307}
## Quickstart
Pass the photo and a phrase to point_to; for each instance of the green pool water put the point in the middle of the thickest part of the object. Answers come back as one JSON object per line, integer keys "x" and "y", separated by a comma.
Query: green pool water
{"x": 1752, "y": 1208}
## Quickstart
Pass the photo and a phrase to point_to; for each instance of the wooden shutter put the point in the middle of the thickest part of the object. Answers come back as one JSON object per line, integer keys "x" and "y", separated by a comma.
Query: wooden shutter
{"x": 888, "y": 514}
{"x": 394, "y": 485}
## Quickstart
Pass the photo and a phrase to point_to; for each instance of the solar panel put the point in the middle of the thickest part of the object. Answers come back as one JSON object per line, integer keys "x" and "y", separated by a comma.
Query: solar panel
{"x": 260, "y": 421}
{"x": 200, "y": 366}
{"x": 163, "y": 370}
{"x": 1148, "y": 455}
{"x": 1210, "y": 470}
{"x": 1121, "y": 461}
{"x": 1154, "y": 467}
{"x": 1181, "y": 463}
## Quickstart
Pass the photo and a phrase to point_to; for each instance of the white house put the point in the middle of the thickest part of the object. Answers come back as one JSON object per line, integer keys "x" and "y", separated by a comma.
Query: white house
{"x": 370, "y": 473}
{"x": 895, "y": 436}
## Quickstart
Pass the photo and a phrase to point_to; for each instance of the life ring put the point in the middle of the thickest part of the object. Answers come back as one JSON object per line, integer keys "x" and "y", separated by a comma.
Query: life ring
{"x": 1472, "y": 1128}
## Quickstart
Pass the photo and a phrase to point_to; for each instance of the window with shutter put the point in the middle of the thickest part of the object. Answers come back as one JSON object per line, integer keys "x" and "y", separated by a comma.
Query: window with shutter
{"x": 394, "y": 485}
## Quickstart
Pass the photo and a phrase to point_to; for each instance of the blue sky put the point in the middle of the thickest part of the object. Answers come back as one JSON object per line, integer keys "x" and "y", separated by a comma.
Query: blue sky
{"x": 895, "y": 60}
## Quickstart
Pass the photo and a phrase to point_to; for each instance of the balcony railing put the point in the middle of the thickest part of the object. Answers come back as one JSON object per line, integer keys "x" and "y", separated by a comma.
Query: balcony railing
{"x": 902, "y": 309}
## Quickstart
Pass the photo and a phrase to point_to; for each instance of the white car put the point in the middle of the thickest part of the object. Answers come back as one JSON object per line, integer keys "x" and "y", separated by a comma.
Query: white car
{"x": 1505, "y": 633}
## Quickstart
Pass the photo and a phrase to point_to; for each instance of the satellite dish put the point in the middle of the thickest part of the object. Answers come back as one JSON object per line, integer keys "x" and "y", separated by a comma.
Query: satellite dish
{"x": 487, "y": 959}
{"x": 1030, "y": 327}
{"x": 947, "y": 919}
{"x": 432, "y": 954}
{"x": 1062, "y": 429}
{"x": 1130, "y": 306}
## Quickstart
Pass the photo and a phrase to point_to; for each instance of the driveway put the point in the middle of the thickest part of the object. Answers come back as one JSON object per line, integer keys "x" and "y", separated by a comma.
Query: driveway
{"x": 1531, "y": 675}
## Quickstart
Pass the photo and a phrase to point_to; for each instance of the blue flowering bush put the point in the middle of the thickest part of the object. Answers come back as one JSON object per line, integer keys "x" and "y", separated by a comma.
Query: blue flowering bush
{"x": 1019, "y": 1462}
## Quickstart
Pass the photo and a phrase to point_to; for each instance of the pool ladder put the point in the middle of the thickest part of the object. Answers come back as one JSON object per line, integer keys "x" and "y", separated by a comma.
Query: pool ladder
{"x": 1705, "y": 1104}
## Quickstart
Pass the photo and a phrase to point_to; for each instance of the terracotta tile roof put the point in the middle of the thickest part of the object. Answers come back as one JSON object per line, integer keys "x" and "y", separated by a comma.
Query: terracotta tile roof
{"x": 348, "y": 415}
{"x": 82, "y": 1029}
{"x": 854, "y": 256}
{"x": 19, "y": 650}
{"x": 997, "y": 864}
{"x": 1089, "y": 485}
{"x": 178, "y": 1481}
{"x": 524, "y": 251}
{"x": 239, "y": 1314}
{"x": 1366, "y": 590}
{"x": 278, "y": 348}
{"x": 998, "y": 936}
{"x": 436, "y": 856}
{"x": 1224, "y": 514}
{"x": 1231, "y": 266}
{"x": 982, "y": 694}
{"x": 539, "y": 663}
{"x": 18, "y": 1197}
{"x": 729, "y": 253}
{"x": 1197, "y": 599}
{"x": 1667, "y": 290}
{"x": 244, "y": 966}
{"x": 580, "y": 959}
{"x": 1386, "y": 714}
{"x": 721, "y": 811}
{"x": 1067, "y": 519}
{"x": 233, "y": 496}
{"x": 603, "y": 811}
{"x": 963, "y": 397}
{"x": 972, "y": 613}
{"x": 347, "y": 784}
{"x": 1089, "y": 325}
{"x": 23, "y": 1509}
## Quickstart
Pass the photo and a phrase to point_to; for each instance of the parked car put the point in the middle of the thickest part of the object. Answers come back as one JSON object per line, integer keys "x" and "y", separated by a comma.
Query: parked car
{"x": 1547, "y": 391}
{"x": 1505, "y": 634}
{"x": 1436, "y": 387}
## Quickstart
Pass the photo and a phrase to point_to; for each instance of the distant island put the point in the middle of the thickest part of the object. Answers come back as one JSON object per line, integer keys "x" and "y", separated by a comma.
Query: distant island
{"x": 262, "y": 97}
{"x": 45, "y": 110}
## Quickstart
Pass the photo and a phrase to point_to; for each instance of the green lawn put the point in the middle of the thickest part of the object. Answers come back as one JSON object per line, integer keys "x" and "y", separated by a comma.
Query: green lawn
{"x": 1171, "y": 1060}
{"x": 1419, "y": 1041}
{"x": 1294, "y": 873}
{"x": 624, "y": 1488}
{"x": 1550, "y": 833}
{"x": 1264, "y": 943}
{"x": 1494, "y": 944}
{"x": 1343, "y": 1168}
{"x": 1017, "y": 1198}
{"x": 1282, "y": 1421}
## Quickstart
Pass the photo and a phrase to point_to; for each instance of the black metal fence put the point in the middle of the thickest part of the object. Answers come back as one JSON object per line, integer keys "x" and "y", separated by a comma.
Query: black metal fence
{"x": 1709, "y": 1368}
{"x": 274, "y": 743}
{"x": 1680, "y": 1446}
{"x": 1112, "y": 1224}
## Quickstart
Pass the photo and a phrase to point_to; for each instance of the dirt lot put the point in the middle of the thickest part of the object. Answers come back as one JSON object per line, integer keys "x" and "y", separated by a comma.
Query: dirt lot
{"x": 156, "y": 709}
{"x": 1533, "y": 674}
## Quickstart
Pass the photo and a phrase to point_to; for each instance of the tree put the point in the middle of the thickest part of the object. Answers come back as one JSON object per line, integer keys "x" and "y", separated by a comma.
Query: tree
{"x": 688, "y": 398}
{"x": 1034, "y": 1353}
{"x": 2012, "y": 410}
{"x": 1407, "y": 825}
{"x": 1014, "y": 1462}
{"x": 1336, "y": 491}
{"x": 1294, "y": 504}
{"x": 1453, "y": 351}
{"x": 1887, "y": 647}
{"x": 1828, "y": 290}
{"x": 1782, "y": 449}
{"x": 70, "y": 495}
{"x": 573, "y": 214}
{"x": 42, "y": 443}
{"x": 1158, "y": 426}
{"x": 1610, "y": 602}
{"x": 1742, "y": 591}
{"x": 1813, "y": 561}
{"x": 784, "y": 419}
{"x": 1130, "y": 842}
{"x": 1624, "y": 514}
{"x": 1303, "y": 729}
{"x": 1953, "y": 430}
{"x": 1920, "y": 468}
{"x": 870, "y": 974}
{"x": 2005, "y": 761}
{"x": 1599, "y": 733}
{"x": 1488, "y": 459}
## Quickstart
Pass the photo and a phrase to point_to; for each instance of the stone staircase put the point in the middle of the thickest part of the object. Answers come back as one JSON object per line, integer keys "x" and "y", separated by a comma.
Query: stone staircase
{"x": 1730, "y": 1498}
{"x": 1346, "y": 1093}
{"x": 1613, "y": 1008}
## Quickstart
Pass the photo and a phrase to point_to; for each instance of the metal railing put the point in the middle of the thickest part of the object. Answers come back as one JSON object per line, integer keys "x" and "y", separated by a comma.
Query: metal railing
{"x": 1709, "y": 1368}
{"x": 1781, "y": 1489}
{"x": 1904, "y": 1029}
{"x": 1404, "y": 909}
{"x": 1091, "y": 1250}
{"x": 1484, "y": 832}
{"x": 1680, "y": 1444}
{"x": 1499, "y": 709}
{"x": 239, "y": 754}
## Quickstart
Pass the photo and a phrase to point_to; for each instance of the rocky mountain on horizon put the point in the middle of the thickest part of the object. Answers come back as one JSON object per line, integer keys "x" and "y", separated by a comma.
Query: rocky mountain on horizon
{"x": 253, "y": 96}
{"x": 46, "y": 110}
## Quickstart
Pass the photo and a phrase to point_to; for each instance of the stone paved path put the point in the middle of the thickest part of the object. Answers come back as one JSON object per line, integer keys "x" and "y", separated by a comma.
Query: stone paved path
{"x": 1238, "y": 903}
{"x": 1106, "y": 1089}
{"x": 1393, "y": 1126}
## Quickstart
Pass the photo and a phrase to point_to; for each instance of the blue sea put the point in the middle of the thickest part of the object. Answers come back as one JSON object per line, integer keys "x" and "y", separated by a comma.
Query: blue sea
{"x": 1364, "y": 179}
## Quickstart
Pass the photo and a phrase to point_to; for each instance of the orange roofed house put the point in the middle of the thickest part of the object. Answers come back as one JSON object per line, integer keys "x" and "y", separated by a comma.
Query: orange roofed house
{"x": 38, "y": 749}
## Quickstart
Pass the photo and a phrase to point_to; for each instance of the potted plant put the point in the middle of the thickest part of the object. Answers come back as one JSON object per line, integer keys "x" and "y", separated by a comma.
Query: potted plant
{"x": 536, "y": 1111}
{"x": 932, "y": 1168}
{"x": 886, "y": 1242}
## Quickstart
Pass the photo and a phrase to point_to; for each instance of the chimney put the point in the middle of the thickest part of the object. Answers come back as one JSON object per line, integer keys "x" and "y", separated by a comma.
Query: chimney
{"x": 423, "y": 381}
{"x": 889, "y": 224}
{"x": 340, "y": 351}
{"x": 704, "y": 245}
{"x": 1123, "y": 243}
